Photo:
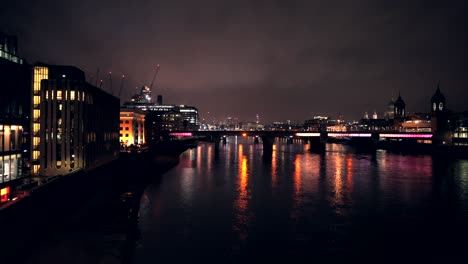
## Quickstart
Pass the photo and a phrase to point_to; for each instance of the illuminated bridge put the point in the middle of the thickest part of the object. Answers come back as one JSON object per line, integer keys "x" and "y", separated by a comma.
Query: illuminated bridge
{"x": 367, "y": 139}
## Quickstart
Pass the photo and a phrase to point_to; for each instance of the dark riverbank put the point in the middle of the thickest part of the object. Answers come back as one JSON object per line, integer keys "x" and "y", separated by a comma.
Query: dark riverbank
{"x": 85, "y": 217}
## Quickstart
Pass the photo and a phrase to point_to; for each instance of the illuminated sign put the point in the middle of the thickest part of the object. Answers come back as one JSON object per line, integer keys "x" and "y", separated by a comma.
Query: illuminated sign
{"x": 349, "y": 134}
{"x": 181, "y": 134}
{"x": 308, "y": 134}
{"x": 4, "y": 193}
{"x": 406, "y": 135}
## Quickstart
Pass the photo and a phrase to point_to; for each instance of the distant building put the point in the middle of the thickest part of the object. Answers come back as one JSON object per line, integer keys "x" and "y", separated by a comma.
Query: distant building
{"x": 132, "y": 127}
{"x": 460, "y": 128}
{"x": 390, "y": 110}
{"x": 144, "y": 97}
{"x": 318, "y": 123}
{"x": 164, "y": 117}
{"x": 75, "y": 124}
{"x": 417, "y": 122}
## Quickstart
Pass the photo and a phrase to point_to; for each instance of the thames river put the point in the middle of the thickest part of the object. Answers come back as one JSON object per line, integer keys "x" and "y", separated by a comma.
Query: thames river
{"x": 237, "y": 205}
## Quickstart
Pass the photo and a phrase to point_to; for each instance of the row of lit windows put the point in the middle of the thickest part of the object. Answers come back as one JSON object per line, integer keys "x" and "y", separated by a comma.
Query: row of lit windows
{"x": 59, "y": 95}
{"x": 40, "y": 73}
{"x": 460, "y": 135}
{"x": 110, "y": 136}
{"x": 10, "y": 57}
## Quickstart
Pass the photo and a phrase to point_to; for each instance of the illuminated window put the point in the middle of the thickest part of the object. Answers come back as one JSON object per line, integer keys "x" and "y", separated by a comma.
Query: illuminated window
{"x": 72, "y": 95}
{"x": 36, "y": 113}
{"x": 36, "y": 127}
{"x": 59, "y": 95}
{"x": 37, "y": 100}
{"x": 36, "y": 169}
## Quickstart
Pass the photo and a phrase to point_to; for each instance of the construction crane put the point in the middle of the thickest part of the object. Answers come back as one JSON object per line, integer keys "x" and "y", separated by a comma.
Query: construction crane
{"x": 154, "y": 77}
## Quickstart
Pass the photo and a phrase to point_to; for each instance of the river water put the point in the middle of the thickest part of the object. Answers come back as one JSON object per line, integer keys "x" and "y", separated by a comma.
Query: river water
{"x": 237, "y": 205}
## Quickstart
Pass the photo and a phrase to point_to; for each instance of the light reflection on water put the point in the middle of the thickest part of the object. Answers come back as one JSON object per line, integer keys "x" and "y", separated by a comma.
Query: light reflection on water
{"x": 239, "y": 205}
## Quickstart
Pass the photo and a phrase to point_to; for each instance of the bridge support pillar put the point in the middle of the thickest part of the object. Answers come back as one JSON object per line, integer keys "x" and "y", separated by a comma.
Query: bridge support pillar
{"x": 268, "y": 144}
{"x": 318, "y": 144}
{"x": 216, "y": 142}
{"x": 256, "y": 141}
{"x": 367, "y": 144}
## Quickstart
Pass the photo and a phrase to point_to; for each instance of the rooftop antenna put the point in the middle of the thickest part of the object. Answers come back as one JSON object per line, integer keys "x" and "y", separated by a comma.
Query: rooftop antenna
{"x": 110, "y": 82}
{"x": 121, "y": 83}
{"x": 97, "y": 76}
{"x": 91, "y": 78}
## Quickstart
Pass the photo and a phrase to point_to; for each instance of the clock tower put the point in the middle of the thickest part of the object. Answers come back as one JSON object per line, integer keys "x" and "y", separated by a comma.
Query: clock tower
{"x": 438, "y": 101}
{"x": 439, "y": 117}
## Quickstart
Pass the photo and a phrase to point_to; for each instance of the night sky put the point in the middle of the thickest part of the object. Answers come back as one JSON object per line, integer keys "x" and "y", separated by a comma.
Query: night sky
{"x": 280, "y": 59}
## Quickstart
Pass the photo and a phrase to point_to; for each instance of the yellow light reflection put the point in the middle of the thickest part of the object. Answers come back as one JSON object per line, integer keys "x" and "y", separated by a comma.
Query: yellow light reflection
{"x": 349, "y": 174}
{"x": 297, "y": 175}
{"x": 241, "y": 203}
{"x": 274, "y": 167}
{"x": 209, "y": 160}
{"x": 199, "y": 159}
{"x": 338, "y": 181}
{"x": 297, "y": 199}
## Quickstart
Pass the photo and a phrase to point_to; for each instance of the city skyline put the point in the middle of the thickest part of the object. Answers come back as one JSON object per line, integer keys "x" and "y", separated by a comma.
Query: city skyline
{"x": 281, "y": 60}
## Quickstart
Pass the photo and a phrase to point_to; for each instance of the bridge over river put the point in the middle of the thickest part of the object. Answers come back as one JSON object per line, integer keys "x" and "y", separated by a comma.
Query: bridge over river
{"x": 317, "y": 140}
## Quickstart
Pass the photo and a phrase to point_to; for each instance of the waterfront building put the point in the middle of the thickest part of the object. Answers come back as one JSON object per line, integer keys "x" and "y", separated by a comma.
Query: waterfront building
{"x": 132, "y": 127}
{"x": 161, "y": 116}
{"x": 75, "y": 124}
{"x": 15, "y": 78}
{"x": 460, "y": 128}
{"x": 417, "y": 122}
{"x": 317, "y": 123}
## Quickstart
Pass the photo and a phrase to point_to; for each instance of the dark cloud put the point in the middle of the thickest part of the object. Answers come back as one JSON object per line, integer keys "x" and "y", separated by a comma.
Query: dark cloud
{"x": 281, "y": 59}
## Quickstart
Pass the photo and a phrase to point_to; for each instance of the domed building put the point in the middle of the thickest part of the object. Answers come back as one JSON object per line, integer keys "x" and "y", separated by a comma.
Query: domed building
{"x": 390, "y": 110}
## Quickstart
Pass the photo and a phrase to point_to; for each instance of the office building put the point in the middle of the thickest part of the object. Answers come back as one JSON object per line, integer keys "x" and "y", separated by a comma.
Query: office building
{"x": 15, "y": 78}
{"x": 75, "y": 124}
